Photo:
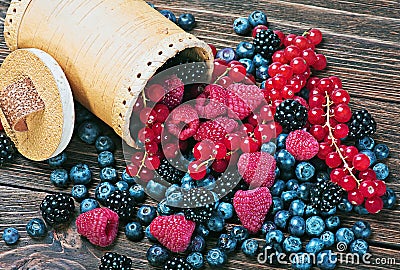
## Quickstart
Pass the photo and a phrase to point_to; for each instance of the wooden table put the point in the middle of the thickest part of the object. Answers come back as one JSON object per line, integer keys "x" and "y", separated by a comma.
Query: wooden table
{"x": 361, "y": 42}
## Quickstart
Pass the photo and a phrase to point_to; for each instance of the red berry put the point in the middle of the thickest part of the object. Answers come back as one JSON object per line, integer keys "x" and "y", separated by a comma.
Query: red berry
{"x": 152, "y": 162}
{"x": 318, "y": 132}
{"x": 151, "y": 147}
{"x": 361, "y": 162}
{"x": 312, "y": 82}
{"x": 160, "y": 112}
{"x": 266, "y": 113}
{"x": 287, "y": 92}
{"x": 155, "y": 92}
{"x": 289, "y": 40}
{"x": 333, "y": 160}
{"x": 247, "y": 128}
{"x": 337, "y": 175}
{"x": 350, "y": 152}
{"x": 324, "y": 150}
{"x": 234, "y": 63}
{"x": 237, "y": 73}
{"x": 232, "y": 141}
{"x": 132, "y": 170}
{"x": 340, "y": 131}
{"x": 278, "y": 81}
{"x": 253, "y": 120}
{"x": 137, "y": 158}
{"x": 274, "y": 69}
{"x": 355, "y": 197}
{"x": 275, "y": 95}
{"x": 281, "y": 35}
{"x": 325, "y": 85}
{"x": 367, "y": 188}
{"x": 146, "y": 174}
{"x": 286, "y": 71}
{"x": 197, "y": 170}
{"x": 342, "y": 113}
{"x": 301, "y": 42}
{"x": 321, "y": 62}
{"x": 278, "y": 128}
{"x": 374, "y": 204}
{"x": 203, "y": 150}
{"x": 292, "y": 52}
{"x": 316, "y": 101}
{"x": 336, "y": 81}
{"x": 368, "y": 174}
{"x": 314, "y": 36}
{"x": 171, "y": 150}
{"x": 220, "y": 165}
{"x": 340, "y": 96}
{"x": 258, "y": 29}
{"x": 264, "y": 133}
{"x": 225, "y": 81}
{"x": 146, "y": 135}
{"x": 220, "y": 67}
{"x": 219, "y": 151}
{"x": 310, "y": 56}
{"x": 348, "y": 183}
{"x": 380, "y": 188}
{"x": 295, "y": 83}
{"x": 316, "y": 116}
{"x": 279, "y": 56}
{"x": 249, "y": 145}
{"x": 146, "y": 116}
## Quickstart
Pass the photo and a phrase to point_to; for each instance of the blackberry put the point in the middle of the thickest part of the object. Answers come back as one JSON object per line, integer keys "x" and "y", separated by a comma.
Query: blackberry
{"x": 177, "y": 264}
{"x": 7, "y": 149}
{"x": 325, "y": 195}
{"x": 201, "y": 202}
{"x": 361, "y": 124}
{"x": 291, "y": 115}
{"x": 122, "y": 203}
{"x": 266, "y": 42}
{"x": 112, "y": 260}
{"x": 199, "y": 214}
{"x": 170, "y": 173}
{"x": 57, "y": 208}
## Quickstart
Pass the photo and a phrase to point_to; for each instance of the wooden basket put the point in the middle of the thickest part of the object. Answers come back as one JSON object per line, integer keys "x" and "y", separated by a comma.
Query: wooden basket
{"x": 108, "y": 49}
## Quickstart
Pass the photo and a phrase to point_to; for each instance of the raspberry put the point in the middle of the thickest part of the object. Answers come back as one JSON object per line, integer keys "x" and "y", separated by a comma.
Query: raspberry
{"x": 252, "y": 207}
{"x": 174, "y": 92}
{"x": 215, "y": 130}
{"x": 183, "y": 122}
{"x": 174, "y": 232}
{"x": 243, "y": 99}
{"x": 302, "y": 145}
{"x": 211, "y": 103}
{"x": 99, "y": 226}
{"x": 257, "y": 169}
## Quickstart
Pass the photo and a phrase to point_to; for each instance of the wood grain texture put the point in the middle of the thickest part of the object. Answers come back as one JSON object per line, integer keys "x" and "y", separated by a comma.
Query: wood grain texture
{"x": 361, "y": 44}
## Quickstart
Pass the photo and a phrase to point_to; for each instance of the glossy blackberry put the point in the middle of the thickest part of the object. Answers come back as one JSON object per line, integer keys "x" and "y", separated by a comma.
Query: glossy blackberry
{"x": 57, "y": 209}
{"x": 112, "y": 260}
{"x": 361, "y": 124}
{"x": 122, "y": 203}
{"x": 199, "y": 214}
{"x": 7, "y": 149}
{"x": 325, "y": 195}
{"x": 266, "y": 43}
{"x": 199, "y": 204}
{"x": 291, "y": 115}
{"x": 169, "y": 173}
{"x": 177, "y": 264}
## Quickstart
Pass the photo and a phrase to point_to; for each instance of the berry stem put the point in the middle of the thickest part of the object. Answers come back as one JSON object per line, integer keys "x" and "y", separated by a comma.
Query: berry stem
{"x": 222, "y": 75}
{"x": 141, "y": 164}
{"x": 144, "y": 98}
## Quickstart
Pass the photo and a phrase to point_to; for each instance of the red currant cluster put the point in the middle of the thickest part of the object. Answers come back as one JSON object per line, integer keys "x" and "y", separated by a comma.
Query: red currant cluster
{"x": 226, "y": 74}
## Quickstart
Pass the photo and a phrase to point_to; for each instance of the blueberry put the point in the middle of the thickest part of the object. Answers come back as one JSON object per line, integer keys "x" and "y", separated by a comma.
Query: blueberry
{"x": 250, "y": 247}
{"x": 227, "y": 54}
{"x": 292, "y": 244}
{"x": 149, "y": 235}
{"x": 259, "y": 61}
{"x": 80, "y": 174}
{"x": 315, "y": 226}
{"x": 303, "y": 192}
{"x": 188, "y": 185}
{"x": 267, "y": 226}
{"x": 146, "y": 214}
{"x": 155, "y": 190}
{"x": 278, "y": 187}
{"x": 269, "y": 148}
{"x": 328, "y": 238}
{"x": 169, "y": 15}
{"x": 272, "y": 251}
{"x": 329, "y": 213}
{"x": 277, "y": 172}
{"x": 82, "y": 114}
{"x": 202, "y": 230}
{"x": 262, "y": 73}
{"x": 79, "y": 192}
{"x": 361, "y": 229}
{"x": 105, "y": 159}
{"x": 297, "y": 208}
{"x": 187, "y": 21}
{"x": 209, "y": 182}
{"x": 59, "y": 178}
{"x": 366, "y": 143}
{"x": 88, "y": 132}
{"x": 344, "y": 235}
{"x": 109, "y": 174}
{"x": 381, "y": 170}
{"x": 88, "y": 204}
{"x": 292, "y": 184}
{"x": 310, "y": 211}
{"x": 304, "y": 171}
{"x": 104, "y": 143}
{"x": 359, "y": 246}
{"x": 216, "y": 223}
{"x": 134, "y": 231}
{"x": 216, "y": 257}
{"x": 245, "y": 50}
{"x": 10, "y": 236}
{"x": 314, "y": 246}
{"x": 281, "y": 219}
{"x": 198, "y": 244}
{"x": 381, "y": 151}
{"x": 361, "y": 210}
{"x": 58, "y": 160}
{"x": 285, "y": 160}
{"x": 248, "y": 64}
{"x": 242, "y": 26}
{"x": 389, "y": 198}
{"x": 326, "y": 260}
{"x": 297, "y": 226}
{"x": 257, "y": 18}
{"x": 157, "y": 255}
{"x": 163, "y": 209}
{"x": 323, "y": 176}
{"x": 274, "y": 236}
{"x": 103, "y": 191}
{"x": 227, "y": 243}
{"x": 196, "y": 260}
{"x": 332, "y": 223}
{"x": 345, "y": 205}
{"x": 370, "y": 155}
{"x": 225, "y": 209}
{"x": 288, "y": 196}
{"x": 277, "y": 205}
{"x": 122, "y": 185}
{"x": 36, "y": 228}
{"x": 301, "y": 261}
{"x": 240, "y": 233}
{"x": 127, "y": 178}
{"x": 137, "y": 192}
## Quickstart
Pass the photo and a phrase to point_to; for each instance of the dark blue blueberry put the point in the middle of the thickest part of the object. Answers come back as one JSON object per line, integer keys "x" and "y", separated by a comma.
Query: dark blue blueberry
{"x": 361, "y": 229}
{"x": 10, "y": 236}
{"x": 370, "y": 155}
{"x": 292, "y": 184}
{"x": 277, "y": 205}
{"x": 288, "y": 196}
{"x": 310, "y": 211}
{"x": 245, "y": 50}
{"x": 297, "y": 208}
{"x": 196, "y": 260}
{"x": 389, "y": 198}
{"x": 297, "y": 226}
{"x": 248, "y": 64}
{"x": 36, "y": 228}
{"x": 198, "y": 244}
{"x": 134, "y": 231}
{"x": 345, "y": 205}
{"x": 242, "y": 26}
{"x": 250, "y": 247}
{"x": 58, "y": 160}
{"x": 137, "y": 192}
{"x": 240, "y": 233}
{"x": 149, "y": 235}
{"x": 326, "y": 260}
{"x": 259, "y": 61}
{"x": 278, "y": 187}
{"x": 328, "y": 238}
{"x": 262, "y": 73}
{"x": 109, "y": 174}
{"x": 323, "y": 176}
{"x": 88, "y": 205}
{"x": 304, "y": 171}
{"x": 332, "y": 223}
{"x": 301, "y": 261}
{"x": 303, "y": 192}
{"x": 82, "y": 114}
{"x": 169, "y": 15}
{"x": 146, "y": 214}
{"x": 381, "y": 151}
{"x": 122, "y": 185}
{"x": 187, "y": 21}
{"x": 315, "y": 226}
{"x": 227, "y": 54}
{"x": 292, "y": 244}
{"x": 157, "y": 255}
{"x": 281, "y": 219}
{"x": 202, "y": 230}
{"x": 216, "y": 223}
{"x": 277, "y": 172}
{"x": 257, "y": 18}
{"x": 269, "y": 148}
{"x": 80, "y": 174}
{"x": 103, "y": 191}
{"x": 155, "y": 190}
{"x": 59, "y": 178}
{"x": 172, "y": 189}
{"x": 314, "y": 246}
{"x": 344, "y": 235}
{"x": 163, "y": 209}
{"x": 88, "y": 132}
{"x": 227, "y": 243}
{"x": 79, "y": 192}
{"x": 216, "y": 257}
{"x": 329, "y": 213}
{"x": 274, "y": 236}
{"x": 104, "y": 143}
{"x": 225, "y": 209}
{"x": 267, "y": 226}
{"x": 105, "y": 159}
{"x": 366, "y": 143}
{"x": 381, "y": 170}
{"x": 127, "y": 178}
{"x": 285, "y": 160}
{"x": 359, "y": 246}
{"x": 361, "y": 210}
{"x": 209, "y": 182}
{"x": 188, "y": 185}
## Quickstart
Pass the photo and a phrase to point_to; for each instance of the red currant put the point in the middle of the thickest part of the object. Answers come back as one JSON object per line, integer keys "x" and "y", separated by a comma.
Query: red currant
{"x": 286, "y": 71}
{"x": 203, "y": 150}
{"x": 312, "y": 82}
{"x": 299, "y": 65}
{"x": 292, "y": 52}
{"x": 232, "y": 141}
{"x": 325, "y": 85}
{"x": 367, "y": 188}
{"x": 287, "y": 92}
{"x": 321, "y": 62}
{"x": 220, "y": 67}
{"x": 337, "y": 175}
{"x": 316, "y": 116}
{"x": 324, "y": 150}
{"x": 237, "y": 73}
{"x": 146, "y": 135}
{"x": 137, "y": 158}
{"x": 289, "y": 39}
{"x": 213, "y": 49}
{"x": 249, "y": 145}
{"x": 333, "y": 160}
{"x": 171, "y": 150}
{"x": 197, "y": 170}
{"x": 340, "y": 96}
{"x": 225, "y": 81}
{"x": 278, "y": 81}
{"x": 155, "y": 92}
{"x": 152, "y": 162}
{"x": 146, "y": 174}
{"x": 380, "y": 188}
{"x": 316, "y": 101}
{"x": 233, "y": 63}
{"x": 350, "y": 152}
{"x": 220, "y": 165}
{"x": 258, "y": 29}
{"x": 147, "y": 117}
{"x": 355, "y": 197}
{"x": 340, "y": 131}
{"x": 279, "y": 56}
{"x": 281, "y": 35}
{"x": 266, "y": 113}
{"x": 264, "y": 133}
{"x": 274, "y": 69}
{"x": 132, "y": 170}
{"x": 314, "y": 36}
{"x": 137, "y": 108}
{"x": 361, "y": 162}
{"x": 295, "y": 83}
{"x": 368, "y": 174}
{"x": 342, "y": 113}
{"x": 301, "y": 42}
{"x": 151, "y": 147}
{"x": 219, "y": 151}
{"x": 318, "y": 131}
{"x": 336, "y": 81}
{"x": 348, "y": 183}
{"x": 310, "y": 56}
{"x": 374, "y": 204}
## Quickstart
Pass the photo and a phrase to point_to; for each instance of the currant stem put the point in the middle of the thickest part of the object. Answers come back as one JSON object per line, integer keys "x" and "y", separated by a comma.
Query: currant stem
{"x": 141, "y": 164}
{"x": 222, "y": 75}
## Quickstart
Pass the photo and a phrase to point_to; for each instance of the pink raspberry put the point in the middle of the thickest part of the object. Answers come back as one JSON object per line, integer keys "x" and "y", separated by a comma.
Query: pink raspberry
{"x": 302, "y": 145}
